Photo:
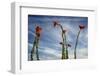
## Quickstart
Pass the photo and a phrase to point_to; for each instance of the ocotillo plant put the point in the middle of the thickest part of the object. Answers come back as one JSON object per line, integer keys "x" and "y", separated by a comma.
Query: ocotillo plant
{"x": 65, "y": 43}
{"x": 66, "y": 52}
{"x": 80, "y": 28}
{"x": 38, "y": 30}
{"x": 64, "y": 49}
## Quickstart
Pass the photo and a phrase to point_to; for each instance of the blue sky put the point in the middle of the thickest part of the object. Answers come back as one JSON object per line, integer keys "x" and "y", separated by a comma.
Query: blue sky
{"x": 49, "y": 47}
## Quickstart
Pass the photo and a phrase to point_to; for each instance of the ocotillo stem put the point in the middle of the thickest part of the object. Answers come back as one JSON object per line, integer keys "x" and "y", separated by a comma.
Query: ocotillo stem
{"x": 66, "y": 51}
{"x": 76, "y": 44}
{"x": 63, "y": 55}
{"x": 33, "y": 49}
{"x": 37, "y": 54}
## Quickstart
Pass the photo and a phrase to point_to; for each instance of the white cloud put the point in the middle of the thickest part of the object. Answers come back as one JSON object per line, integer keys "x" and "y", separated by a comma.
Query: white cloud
{"x": 49, "y": 51}
{"x": 82, "y": 53}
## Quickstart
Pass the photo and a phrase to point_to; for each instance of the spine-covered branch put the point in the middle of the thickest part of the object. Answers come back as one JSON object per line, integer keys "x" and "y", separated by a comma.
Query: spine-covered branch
{"x": 80, "y": 28}
{"x": 38, "y": 30}
{"x": 64, "y": 41}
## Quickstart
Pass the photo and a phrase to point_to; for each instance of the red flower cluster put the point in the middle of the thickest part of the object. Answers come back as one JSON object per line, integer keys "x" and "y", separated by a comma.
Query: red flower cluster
{"x": 55, "y": 23}
{"x": 81, "y": 27}
{"x": 64, "y": 31}
{"x": 38, "y": 30}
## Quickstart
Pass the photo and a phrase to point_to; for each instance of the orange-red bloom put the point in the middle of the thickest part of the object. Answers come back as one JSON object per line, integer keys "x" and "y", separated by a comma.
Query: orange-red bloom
{"x": 81, "y": 27}
{"x": 64, "y": 31}
{"x": 55, "y": 23}
{"x": 38, "y": 30}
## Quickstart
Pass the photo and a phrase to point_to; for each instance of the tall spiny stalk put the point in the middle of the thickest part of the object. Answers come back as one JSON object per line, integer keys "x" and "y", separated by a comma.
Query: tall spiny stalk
{"x": 64, "y": 49}
{"x": 37, "y": 54}
{"x": 33, "y": 49}
{"x": 80, "y": 28}
{"x": 76, "y": 44}
{"x": 36, "y": 43}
